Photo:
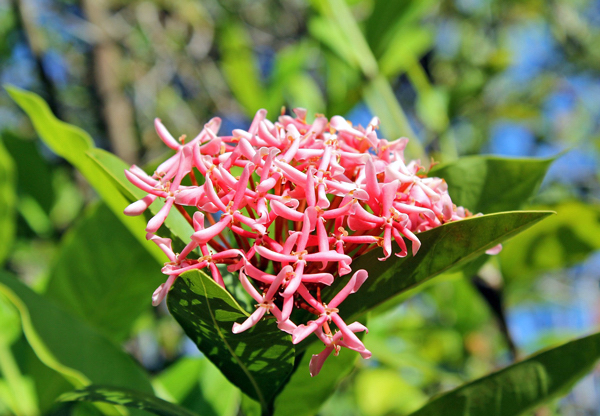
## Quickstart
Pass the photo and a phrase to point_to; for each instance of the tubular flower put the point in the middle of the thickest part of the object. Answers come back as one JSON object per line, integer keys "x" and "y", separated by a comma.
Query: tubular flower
{"x": 288, "y": 205}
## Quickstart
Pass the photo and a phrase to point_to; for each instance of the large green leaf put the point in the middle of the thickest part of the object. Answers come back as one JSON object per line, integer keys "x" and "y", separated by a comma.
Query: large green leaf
{"x": 114, "y": 168}
{"x": 72, "y": 143}
{"x": 8, "y": 199}
{"x": 442, "y": 248}
{"x": 561, "y": 241}
{"x": 67, "y": 345}
{"x": 258, "y": 361}
{"x": 522, "y": 386}
{"x": 111, "y": 282}
{"x": 492, "y": 184}
{"x": 125, "y": 397}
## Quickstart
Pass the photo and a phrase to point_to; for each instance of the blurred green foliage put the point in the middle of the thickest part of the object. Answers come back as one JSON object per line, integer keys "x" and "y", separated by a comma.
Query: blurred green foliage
{"x": 465, "y": 77}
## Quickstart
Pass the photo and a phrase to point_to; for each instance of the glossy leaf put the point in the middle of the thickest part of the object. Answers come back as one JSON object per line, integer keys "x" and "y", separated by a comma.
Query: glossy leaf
{"x": 520, "y": 387}
{"x": 8, "y": 200}
{"x": 492, "y": 184}
{"x": 258, "y": 361}
{"x": 65, "y": 344}
{"x": 111, "y": 282}
{"x": 561, "y": 241}
{"x": 125, "y": 397}
{"x": 442, "y": 248}
{"x": 72, "y": 143}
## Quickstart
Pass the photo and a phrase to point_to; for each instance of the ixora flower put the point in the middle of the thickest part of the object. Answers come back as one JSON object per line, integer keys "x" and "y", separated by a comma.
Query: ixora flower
{"x": 288, "y": 205}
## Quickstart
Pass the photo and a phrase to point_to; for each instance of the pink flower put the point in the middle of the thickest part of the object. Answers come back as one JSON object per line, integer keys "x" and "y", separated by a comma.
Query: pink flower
{"x": 288, "y": 205}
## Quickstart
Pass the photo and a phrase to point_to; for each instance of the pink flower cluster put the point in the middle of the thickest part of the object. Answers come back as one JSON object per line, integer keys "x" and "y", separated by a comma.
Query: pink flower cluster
{"x": 289, "y": 205}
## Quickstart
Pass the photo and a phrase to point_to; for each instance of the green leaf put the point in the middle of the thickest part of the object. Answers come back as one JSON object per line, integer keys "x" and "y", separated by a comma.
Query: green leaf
{"x": 34, "y": 175}
{"x": 239, "y": 67}
{"x": 407, "y": 47}
{"x": 114, "y": 168}
{"x": 111, "y": 282}
{"x": 382, "y": 391}
{"x": 304, "y": 395}
{"x": 196, "y": 384}
{"x": 68, "y": 346}
{"x": 350, "y": 43}
{"x": 125, "y": 397}
{"x": 561, "y": 241}
{"x": 72, "y": 143}
{"x": 8, "y": 200}
{"x": 442, "y": 248}
{"x": 520, "y": 387}
{"x": 492, "y": 184}
{"x": 380, "y": 97}
{"x": 432, "y": 108}
{"x": 258, "y": 361}
{"x": 388, "y": 18}
{"x": 303, "y": 91}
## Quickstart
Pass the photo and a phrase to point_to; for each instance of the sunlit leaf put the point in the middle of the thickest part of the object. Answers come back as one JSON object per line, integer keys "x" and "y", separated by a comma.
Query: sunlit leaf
{"x": 561, "y": 241}
{"x": 125, "y": 397}
{"x": 114, "y": 168}
{"x": 520, "y": 387}
{"x": 258, "y": 361}
{"x": 8, "y": 200}
{"x": 492, "y": 184}
{"x": 406, "y": 48}
{"x": 381, "y": 391}
{"x": 111, "y": 282}
{"x": 64, "y": 343}
{"x": 72, "y": 143}
{"x": 390, "y": 17}
{"x": 240, "y": 67}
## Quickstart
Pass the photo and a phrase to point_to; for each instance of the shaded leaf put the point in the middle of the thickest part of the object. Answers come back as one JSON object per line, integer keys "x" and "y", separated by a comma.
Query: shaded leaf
{"x": 111, "y": 282}
{"x": 258, "y": 361}
{"x": 68, "y": 346}
{"x": 34, "y": 176}
{"x": 522, "y": 386}
{"x": 8, "y": 200}
{"x": 442, "y": 248}
{"x": 492, "y": 184}
{"x": 125, "y": 397}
